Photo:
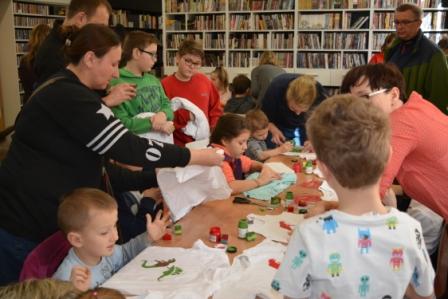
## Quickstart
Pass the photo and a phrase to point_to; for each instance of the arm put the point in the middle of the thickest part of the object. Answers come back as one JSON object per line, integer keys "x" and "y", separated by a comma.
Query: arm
{"x": 277, "y": 135}
{"x": 123, "y": 179}
{"x": 285, "y": 147}
{"x": 134, "y": 124}
{"x": 266, "y": 176}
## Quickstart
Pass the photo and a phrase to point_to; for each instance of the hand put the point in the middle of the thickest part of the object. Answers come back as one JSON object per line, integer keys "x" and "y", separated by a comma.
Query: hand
{"x": 308, "y": 147}
{"x": 267, "y": 175}
{"x": 277, "y": 135}
{"x": 158, "y": 120}
{"x": 168, "y": 128}
{"x": 120, "y": 93}
{"x": 206, "y": 156}
{"x": 157, "y": 228}
{"x": 154, "y": 193}
{"x": 286, "y": 147}
{"x": 390, "y": 199}
{"x": 81, "y": 278}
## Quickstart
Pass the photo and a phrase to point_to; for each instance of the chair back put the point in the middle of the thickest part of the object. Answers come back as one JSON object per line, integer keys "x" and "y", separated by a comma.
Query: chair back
{"x": 45, "y": 259}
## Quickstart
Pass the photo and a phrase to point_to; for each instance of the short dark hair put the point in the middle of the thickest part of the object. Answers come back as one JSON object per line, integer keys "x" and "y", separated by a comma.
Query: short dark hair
{"x": 192, "y": 47}
{"x": 416, "y": 10}
{"x": 136, "y": 39}
{"x": 378, "y": 75}
{"x": 443, "y": 43}
{"x": 229, "y": 126}
{"x": 92, "y": 37}
{"x": 240, "y": 84}
{"x": 89, "y": 7}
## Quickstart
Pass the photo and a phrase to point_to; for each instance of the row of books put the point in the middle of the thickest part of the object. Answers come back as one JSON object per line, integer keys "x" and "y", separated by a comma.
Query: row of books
{"x": 378, "y": 40}
{"x": 329, "y": 4}
{"x": 206, "y": 22}
{"x": 395, "y": 3}
{"x": 337, "y": 40}
{"x": 384, "y": 20}
{"x": 320, "y": 21}
{"x": 271, "y": 4}
{"x": 309, "y": 41}
{"x": 31, "y": 21}
{"x": 434, "y": 20}
{"x": 29, "y": 8}
{"x": 127, "y": 19}
{"x": 330, "y": 60}
{"x": 274, "y": 22}
{"x": 356, "y": 21}
{"x": 214, "y": 41}
{"x": 239, "y": 59}
{"x": 175, "y": 23}
{"x": 261, "y": 41}
{"x": 195, "y": 5}
{"x": 214, "y": 59}
{"x": 22, "y": 33}
{"x": 174, "y": 40}
{"x": 21, "y": 47}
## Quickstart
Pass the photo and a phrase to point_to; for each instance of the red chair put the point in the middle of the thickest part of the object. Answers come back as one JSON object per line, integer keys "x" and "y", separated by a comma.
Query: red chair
{"x": 45, "y": 259}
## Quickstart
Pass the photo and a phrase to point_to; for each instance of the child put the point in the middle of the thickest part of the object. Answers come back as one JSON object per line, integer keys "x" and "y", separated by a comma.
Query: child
{"x": 231, "y": 134}
{"x": 362, "y": 249}
{"x": 138, "y": 58}
{"x": 88, "y": 217}
{"x": 258, "y": 124}
{"x": 220, "y": 80}
{"x": 241, "y": 102}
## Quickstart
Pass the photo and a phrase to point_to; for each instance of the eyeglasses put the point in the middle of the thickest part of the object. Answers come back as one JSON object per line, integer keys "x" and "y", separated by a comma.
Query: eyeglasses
{"x": 192, "y": 63}
{"x": 153, "y": 55}
{"x": 404, "y": 22}
{"x": 374, "y": 93}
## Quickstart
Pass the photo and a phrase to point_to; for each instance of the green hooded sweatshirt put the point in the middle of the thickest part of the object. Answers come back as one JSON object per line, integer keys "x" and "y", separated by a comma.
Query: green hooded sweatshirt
{"x": 150, "y": 98}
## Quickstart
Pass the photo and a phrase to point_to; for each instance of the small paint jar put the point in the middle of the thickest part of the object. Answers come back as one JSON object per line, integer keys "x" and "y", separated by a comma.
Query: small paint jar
{"x": 177, "y": 229}
{"x": 215, "y": 234}
{"x": 309, "y": 167}
{"x": 289, "y": 198}
{"x": 224, "y": 238}
{"x": 297, "y": 167}
{"x": 290, "y": 209}
{"x": 243, "y": 226}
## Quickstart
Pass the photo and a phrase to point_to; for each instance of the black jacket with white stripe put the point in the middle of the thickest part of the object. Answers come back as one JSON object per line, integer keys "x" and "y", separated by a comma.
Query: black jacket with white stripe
{"x": 61, "y": 138}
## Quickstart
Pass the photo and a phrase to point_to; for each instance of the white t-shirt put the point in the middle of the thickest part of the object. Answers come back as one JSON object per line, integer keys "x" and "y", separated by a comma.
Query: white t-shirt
{"x": 337, "y": 255}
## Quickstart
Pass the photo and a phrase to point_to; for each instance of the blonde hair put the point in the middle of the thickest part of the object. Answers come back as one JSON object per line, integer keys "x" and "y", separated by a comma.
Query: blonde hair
{"x": 222, "y": 76}
{"x": 352, "y": 138}
{"x": 74, "y": 210}
{"x": 102, "y": 293}
{"x": 256, "y": 120}
{"x": 268, "y": 57}
{"x": 39, "y": 289}
{"x": 302, "y": 91}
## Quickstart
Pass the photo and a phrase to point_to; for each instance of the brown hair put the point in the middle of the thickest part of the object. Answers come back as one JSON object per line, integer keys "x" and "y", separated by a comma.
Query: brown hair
{"x": 102, "y": 293}
{"x": 38, "y": 289}
{"x": 256, "y": 120}
{"x": 240, "y": 84}
{"x": 416, "y": 10}
{"x": 89, "y": 7}
{"x": 136, "y": 40}
{"x": 74, "y": 210}
{"x": 378, "y": 75}
{"x": 268, "y": 57}
{"x": 222, "y": 75}
{"x": 388, "y": 40}
{"x": 352, "y": 138}
{"x": 229, "y": 126}
{"x": 302, "y": 91}
{"x": 443, "y": 43}
{"x": 38, "y": 35}
{"x": 191, "y": 47}
{"x": 92, "y": 37}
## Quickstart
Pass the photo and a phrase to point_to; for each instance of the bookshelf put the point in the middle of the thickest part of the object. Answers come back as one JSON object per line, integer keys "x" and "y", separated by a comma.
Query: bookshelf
{"x": 323, "y": 38}
{"x": 28, "y": 14}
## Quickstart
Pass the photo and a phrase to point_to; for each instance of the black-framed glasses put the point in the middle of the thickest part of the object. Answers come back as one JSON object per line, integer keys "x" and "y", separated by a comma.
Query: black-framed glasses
{"x": 153, "y": 55}
{"x": 192, "y": 63}
{"x": 404, "y": 22}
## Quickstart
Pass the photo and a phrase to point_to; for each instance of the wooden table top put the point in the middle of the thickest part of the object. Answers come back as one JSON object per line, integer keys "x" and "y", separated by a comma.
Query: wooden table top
{"x": 226, "y": 215}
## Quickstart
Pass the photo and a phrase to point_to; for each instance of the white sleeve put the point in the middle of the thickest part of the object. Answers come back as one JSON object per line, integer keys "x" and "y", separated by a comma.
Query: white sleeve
{"x": 423, "y": 275}
{"x": 293, "y": 279}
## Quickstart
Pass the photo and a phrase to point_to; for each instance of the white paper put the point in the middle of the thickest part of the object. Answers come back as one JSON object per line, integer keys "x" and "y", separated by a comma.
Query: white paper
{"x": 279, "y": 167}
{"x": 306, "y": 156}
{"x": 269, "y": 225}
{"x": 159, "y": 136}
{"x": 185, "y": 188}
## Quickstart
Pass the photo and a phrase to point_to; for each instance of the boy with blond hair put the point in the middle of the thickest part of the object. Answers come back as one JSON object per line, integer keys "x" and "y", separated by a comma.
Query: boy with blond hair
{"x": 362, "y": 249}
{"x": 258, "y": 124}
{"x": 89, "y": 217}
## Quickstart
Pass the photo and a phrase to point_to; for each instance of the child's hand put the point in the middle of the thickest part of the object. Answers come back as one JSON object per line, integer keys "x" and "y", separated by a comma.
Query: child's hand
{"x": 168, "y": 127}
{"x": 267, "y": 175}
{"x": 308, "y": 147}
{"x": 157, "y": 228}
{"x": 286, "y": 147}
{"x": 81, "y": 278}
{"x": 158, "y": 120}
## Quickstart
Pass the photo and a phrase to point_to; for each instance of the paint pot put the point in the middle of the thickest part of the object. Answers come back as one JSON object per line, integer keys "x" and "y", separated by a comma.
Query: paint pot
{"x": 215, "y": 234}
{"x": 243, "y": 226}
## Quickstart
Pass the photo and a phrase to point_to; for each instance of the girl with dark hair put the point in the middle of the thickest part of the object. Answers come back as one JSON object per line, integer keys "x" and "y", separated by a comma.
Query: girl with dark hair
{"x": 62, "y": 138}
{"x": 231, "y": 134}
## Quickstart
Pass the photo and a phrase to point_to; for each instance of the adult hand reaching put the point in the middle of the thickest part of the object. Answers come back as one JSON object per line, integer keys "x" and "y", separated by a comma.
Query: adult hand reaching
{"x": 207, "y": 157}
{"x": 120, "y": 93}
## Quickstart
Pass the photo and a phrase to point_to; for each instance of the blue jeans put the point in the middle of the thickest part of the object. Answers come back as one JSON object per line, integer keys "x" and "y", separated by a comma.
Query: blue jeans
{"x": 13, "y": 252}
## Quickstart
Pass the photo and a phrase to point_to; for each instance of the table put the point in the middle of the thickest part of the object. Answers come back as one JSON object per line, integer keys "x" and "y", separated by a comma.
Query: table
{"x": 225, "y": 214}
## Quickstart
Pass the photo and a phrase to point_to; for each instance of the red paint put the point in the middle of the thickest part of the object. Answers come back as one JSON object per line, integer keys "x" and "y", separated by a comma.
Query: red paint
{"x": 167, "y": 237}
{"x": 215, "y": 234}
{"x": 274, "y": 264}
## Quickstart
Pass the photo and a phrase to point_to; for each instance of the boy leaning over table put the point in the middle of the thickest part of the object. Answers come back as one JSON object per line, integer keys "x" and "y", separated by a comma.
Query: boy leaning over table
{"x": 362, "y": 249}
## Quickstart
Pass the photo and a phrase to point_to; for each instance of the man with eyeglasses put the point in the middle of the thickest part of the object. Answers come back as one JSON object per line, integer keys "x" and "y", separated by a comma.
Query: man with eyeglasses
{"x": 421, "y": 62}
{"x": 187, "y": 82}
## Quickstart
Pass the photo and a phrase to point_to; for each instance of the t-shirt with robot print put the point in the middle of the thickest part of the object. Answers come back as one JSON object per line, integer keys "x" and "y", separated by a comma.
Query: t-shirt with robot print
{"x": 338, "y": 255}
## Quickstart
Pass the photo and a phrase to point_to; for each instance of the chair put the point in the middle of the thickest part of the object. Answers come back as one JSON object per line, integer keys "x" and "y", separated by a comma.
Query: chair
{"x": 45, "y": 259}
{"x": 441, "y": 280}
